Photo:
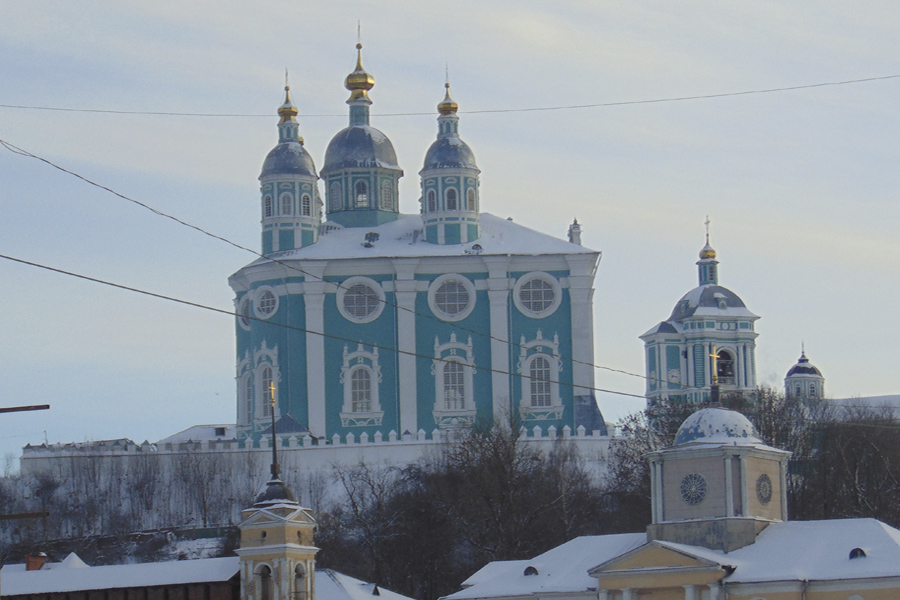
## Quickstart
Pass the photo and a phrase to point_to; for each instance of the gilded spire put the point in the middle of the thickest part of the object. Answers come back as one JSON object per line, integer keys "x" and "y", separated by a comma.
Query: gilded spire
{"x": 359, "y": 82}
{"x": 288, "y": 128}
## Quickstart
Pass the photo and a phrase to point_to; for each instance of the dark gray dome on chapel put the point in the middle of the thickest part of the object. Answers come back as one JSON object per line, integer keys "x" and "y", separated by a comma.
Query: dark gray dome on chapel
{"x": 705, "y": 296}
{"x": 289, "y": 158}
{"x": 803, "y": 367}
{"x": 449, "y": 152}
{"x": 360, "y": 146}
{"x": 275, "y": 492}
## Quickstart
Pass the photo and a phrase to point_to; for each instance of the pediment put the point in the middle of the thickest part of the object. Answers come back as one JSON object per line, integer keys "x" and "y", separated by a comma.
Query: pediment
{"x": 277, "y": 516}
{"x": 654, "y": 556}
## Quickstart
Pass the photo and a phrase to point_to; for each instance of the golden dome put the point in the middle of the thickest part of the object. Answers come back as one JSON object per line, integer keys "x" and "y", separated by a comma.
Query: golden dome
{"x": 707, "y": 251}
{"x": 359, "y": 82}
{"x": 447, "y": 105}
{"x": 287, "y": 111}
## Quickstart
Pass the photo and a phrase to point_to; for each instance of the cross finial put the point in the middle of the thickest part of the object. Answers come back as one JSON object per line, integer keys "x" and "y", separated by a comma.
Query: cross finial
{"x": 287, "y": 84}
{"x": 447, "y": 74}
{"x": 358, "y": 33}
{"x": 707, "y": 228}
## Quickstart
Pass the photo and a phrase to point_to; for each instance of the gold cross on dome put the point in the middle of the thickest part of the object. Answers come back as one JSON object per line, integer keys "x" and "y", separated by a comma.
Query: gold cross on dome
{"x": 272, "y": 393}
{"x": 715, "y": 370}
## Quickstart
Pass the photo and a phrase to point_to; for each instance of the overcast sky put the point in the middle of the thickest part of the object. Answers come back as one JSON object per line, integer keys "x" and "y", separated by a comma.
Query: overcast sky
{"x": 801, "y": 186}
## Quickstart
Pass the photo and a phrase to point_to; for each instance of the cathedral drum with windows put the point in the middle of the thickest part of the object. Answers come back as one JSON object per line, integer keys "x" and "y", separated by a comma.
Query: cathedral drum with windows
{"x": 708, "y": 340}
{"x": 369, "y": 322}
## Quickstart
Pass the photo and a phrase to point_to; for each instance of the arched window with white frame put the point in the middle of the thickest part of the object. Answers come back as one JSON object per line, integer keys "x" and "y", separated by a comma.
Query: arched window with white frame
{"x": 362, "y": 194}
{"x": 335, "y": 201}
{"x": 539, "y": 366}
{"x": 453, "y": 368}
{"x": 361, "y": 378}
{"x": 450, "y": 197}
{"x": 306, "y": 205}
{"x": 387, "y": 195}
{"x": 267, "y": 206}
{"x": 265, "y": 397}
{"x": 264, "y": 582}
{"x": 287, "y": 204}
{"x": 432, "y": 201}
{"x": 470, "y": 199}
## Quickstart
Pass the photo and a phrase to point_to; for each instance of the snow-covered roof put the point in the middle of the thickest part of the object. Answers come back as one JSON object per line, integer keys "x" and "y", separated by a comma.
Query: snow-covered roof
{"x": 201, "y": 433}
{"x": 73, "y": 575}
{"x": 404, "y": 237}
{"x": 70, "y": 576}
{"x": 706, "y": 300}
{"x": 562, "y": 569}
{"x": 811, "y": 551}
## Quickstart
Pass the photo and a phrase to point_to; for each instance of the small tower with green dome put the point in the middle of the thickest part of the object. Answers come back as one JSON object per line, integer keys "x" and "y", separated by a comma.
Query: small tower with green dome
{"x": 361, "y": 173}
{"x": 449, "y": 180}
{"x": 291, "y": 208}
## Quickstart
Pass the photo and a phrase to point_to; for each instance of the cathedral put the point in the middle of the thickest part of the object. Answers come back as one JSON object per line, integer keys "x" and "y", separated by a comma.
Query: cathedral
{"x": 361, "y": 321}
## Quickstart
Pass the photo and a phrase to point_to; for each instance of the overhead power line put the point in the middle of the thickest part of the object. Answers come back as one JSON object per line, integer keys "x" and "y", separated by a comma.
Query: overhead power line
{"x": 17, "y": 150}
{"x": 474, "y": 112}
{"x": 283, "y": 325}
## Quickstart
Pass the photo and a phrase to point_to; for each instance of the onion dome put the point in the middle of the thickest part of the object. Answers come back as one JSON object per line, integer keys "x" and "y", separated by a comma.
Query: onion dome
{"x": 717, "y": 426}
{"x": 707, "y": 251}
{"x": 275, "y": 492}
{"x": 449, "y": 151}
{"x": 803, "y": 367}
{"x": 359, "y": 82}
{"x": 289, "y": 157}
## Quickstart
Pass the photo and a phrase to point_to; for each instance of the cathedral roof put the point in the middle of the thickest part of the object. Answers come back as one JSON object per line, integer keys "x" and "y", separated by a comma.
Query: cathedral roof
{"x": 803, "y": 367}
{"x": 289, "y": 158}
{"x": 404, "y": 238}
{"x": 717, "y": 426}
{"x": 449, "y": 152}
{"x": 360, "y": 146}
{"x": 709, "y": 300}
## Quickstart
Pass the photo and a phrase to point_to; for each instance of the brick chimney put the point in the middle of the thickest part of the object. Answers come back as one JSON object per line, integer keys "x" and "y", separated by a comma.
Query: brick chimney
{"x": 34, "y": 562}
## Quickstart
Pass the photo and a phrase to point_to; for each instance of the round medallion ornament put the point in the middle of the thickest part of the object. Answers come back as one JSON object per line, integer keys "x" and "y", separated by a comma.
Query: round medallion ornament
{"x": 693, "y": 488}
{"x": 764, "y": 489}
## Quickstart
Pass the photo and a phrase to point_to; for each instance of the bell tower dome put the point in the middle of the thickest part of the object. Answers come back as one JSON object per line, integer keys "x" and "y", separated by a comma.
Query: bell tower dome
{"x": 291, "y": 208}
{"x": 449, "y": 181}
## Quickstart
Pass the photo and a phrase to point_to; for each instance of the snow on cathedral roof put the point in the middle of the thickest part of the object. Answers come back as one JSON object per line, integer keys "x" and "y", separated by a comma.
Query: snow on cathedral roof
{"x": 717, "y": 426}
{"x": 404, "y": 237}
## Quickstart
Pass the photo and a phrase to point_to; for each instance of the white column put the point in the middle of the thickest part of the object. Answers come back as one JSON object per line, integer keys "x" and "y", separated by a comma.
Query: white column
{"x": 690, "y": 592}
{"x": 714, "y": 591}
{"x": 743, "y": 482}
{"x": 729, "y": 487}
{"x": 581, "y": 294}
{"x": 626, "y": 594}
{"x": 405, "y": 293}
{"x": 782, "y": 481}
{"x": 603, "y": 595}
{"x": 498, "y": 296}
{"x": 314, "y": 300}
{"x": 654, "y": 492}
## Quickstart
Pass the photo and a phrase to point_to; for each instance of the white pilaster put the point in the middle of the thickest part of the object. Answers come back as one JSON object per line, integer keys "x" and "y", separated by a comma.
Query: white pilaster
{"x": 714, "y": 591}
{"x": 690, "y": 592}
{"x": 627, "y": 594}
{"x": 314, "y": 301}
{"x": 729, "y": 487}
{"x": 498, "y": 296}
{"x": 744, "y": 494}
{"x": 581, "y": 293}
{"x": 405, "y": 293}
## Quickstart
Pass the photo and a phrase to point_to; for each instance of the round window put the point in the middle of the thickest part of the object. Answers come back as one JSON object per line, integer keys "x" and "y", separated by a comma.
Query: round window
{"x": 537, "y": 295}
{"x": 693, "y": 488}
{"x": 451, "y": 297}
{"x": 266, "y": 303}
{"x": 244, "y": 314}
{"x": 764, "y": 489}
{"x": 360, "y": 299}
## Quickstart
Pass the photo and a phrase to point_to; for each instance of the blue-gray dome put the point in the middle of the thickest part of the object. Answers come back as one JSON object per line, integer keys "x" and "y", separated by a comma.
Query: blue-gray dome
{"x": 449, "y": 152}
{"x": 289, "y": 158}
{"x": 360, "y": 146}
{"x": 717, "y": 425}
{"x": 275, "y": 492}
{"x": 803, "y": 367}
{"x": 708, "y": 296}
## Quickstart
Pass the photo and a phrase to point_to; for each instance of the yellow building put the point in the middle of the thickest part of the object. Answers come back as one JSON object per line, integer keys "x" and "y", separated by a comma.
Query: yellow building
{"x": 719, "y": 532}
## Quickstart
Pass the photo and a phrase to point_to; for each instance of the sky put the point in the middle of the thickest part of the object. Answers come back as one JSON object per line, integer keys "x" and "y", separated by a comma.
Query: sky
{"x": 800, "y": 186}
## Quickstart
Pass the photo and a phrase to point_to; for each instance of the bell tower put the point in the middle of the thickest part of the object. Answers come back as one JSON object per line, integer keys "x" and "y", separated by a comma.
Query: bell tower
{"x": 278, "y": 552}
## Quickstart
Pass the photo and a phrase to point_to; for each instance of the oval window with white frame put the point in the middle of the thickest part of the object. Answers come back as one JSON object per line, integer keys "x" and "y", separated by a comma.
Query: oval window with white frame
{"x": 451, "y": 297}
{"x": 244, "y": 313}
{"x": 266, "y": 302}
{"x": 537, "y": 294}
{"x": 360, "y": 299}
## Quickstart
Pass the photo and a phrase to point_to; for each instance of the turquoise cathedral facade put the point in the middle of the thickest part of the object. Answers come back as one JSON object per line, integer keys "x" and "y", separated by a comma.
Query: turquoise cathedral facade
{"x": 708, "y": 339}
{"x": 361, "y": 321}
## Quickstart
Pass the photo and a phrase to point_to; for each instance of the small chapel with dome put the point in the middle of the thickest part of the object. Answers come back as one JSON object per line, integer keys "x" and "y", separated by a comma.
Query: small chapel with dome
{"x": 370, "y": 323}
{"x": 707, "y": 343}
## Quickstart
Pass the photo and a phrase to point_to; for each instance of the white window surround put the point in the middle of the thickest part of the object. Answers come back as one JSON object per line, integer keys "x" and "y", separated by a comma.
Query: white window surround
{"x": 537, "y": 276}
{"x": 266, "y": 302}
{"x": 387, "y": 193}
{"x": 350, "y": 286}
{"x": 457, "y": 353}
{"x": 287, "y": 204}
{"x": 335, "y": 201}
{"x": 354, "y": 361}
{"x": 306, "y": 206}
{"x": 529, "y": 351}
{"x": 434, "y": 304}
{"x": 262, "y": 358}
{"x": 244, "y": 312}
